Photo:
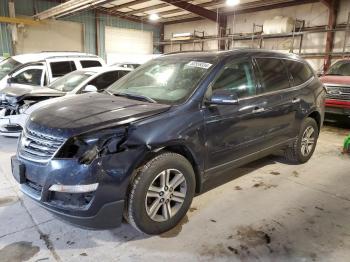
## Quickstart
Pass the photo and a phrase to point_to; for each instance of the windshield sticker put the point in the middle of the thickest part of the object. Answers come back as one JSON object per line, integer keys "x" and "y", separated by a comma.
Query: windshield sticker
{"x": 199, "y": 64}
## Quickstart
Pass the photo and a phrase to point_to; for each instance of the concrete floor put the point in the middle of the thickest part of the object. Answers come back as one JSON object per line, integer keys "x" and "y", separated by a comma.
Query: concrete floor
{"x": 275, "y": 212}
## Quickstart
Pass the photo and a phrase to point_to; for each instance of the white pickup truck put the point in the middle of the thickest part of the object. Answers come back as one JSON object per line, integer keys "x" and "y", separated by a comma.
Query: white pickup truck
{"x": 41, "y": 69}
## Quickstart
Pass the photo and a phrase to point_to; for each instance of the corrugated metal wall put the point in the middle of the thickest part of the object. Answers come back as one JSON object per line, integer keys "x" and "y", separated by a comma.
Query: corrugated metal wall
{"x": 5, "y": 36}
{"x": 30, "y": 7}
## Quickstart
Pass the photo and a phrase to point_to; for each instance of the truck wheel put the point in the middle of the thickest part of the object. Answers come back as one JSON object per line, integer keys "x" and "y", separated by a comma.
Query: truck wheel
{"x": 304, "y": 145}
{"x": 160, "y": 194}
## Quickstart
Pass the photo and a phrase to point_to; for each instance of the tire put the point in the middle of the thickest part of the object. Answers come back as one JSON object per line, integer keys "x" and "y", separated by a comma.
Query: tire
{"x": 297, "y": 153}
{"x": 147, "y": 208}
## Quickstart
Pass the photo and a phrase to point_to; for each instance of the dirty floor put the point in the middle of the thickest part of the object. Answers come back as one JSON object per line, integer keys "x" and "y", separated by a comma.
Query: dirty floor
{"x": 271, "y": 211}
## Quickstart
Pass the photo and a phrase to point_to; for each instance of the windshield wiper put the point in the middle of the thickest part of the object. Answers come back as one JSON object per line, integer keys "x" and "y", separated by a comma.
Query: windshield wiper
{"x": 136, "y": 97}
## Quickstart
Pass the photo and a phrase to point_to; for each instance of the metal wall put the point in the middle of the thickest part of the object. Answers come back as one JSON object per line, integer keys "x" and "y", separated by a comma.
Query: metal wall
{"x": 88, "y": 19}
{"x": 5, "y": 34}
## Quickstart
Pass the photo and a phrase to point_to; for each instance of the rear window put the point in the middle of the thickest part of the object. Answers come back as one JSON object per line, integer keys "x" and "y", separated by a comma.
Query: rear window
{"x": 62, "y": 68}
{"x": 273, "y": 74}
{"x": 300, "y": 72}
{"x": 89, "y": 63}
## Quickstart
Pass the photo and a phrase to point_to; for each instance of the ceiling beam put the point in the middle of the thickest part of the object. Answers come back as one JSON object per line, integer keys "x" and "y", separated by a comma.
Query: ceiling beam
{"x": 126, "y": 5}
{"x": 195, "y": 9}
{"x": 149, "y": 8}
{"x": 122, "y": 15}
{"x": 177, "y": 10}
{"x": 243, "y": 9}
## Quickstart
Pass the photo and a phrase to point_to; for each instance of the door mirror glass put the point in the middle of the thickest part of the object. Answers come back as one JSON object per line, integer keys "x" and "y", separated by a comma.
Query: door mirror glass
{"x": 10, "y": 80}
{"x": 90, "y": 88}
{"x": 224, "y": 97}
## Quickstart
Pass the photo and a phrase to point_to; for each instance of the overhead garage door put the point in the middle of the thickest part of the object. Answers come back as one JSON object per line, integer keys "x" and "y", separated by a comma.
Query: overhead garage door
{"x": 127, "y": 43}
{"x": 51, "y": 36}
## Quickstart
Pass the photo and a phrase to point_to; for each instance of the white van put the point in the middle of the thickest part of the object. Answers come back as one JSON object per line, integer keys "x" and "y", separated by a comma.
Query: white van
{"x": 41, "y": 69}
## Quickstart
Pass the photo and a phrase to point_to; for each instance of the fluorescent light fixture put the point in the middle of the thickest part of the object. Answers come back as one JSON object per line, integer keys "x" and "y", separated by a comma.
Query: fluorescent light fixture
{"x": 232, "y": 2}
{"x": 154, "y": 17}
{"x": 74, "y": 189}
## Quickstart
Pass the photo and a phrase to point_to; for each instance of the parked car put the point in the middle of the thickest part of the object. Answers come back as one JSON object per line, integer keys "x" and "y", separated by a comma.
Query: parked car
{"x": 337, "y": 83}
{"x": 19, "y": 102}
{"x": 153, "y": 139}
{"x": 41, "y": 69}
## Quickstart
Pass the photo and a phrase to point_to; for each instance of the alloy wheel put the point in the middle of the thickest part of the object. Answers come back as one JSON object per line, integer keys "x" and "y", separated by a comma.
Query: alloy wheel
{"x": 165, "y": 195}
{"x": 308, "y": 141}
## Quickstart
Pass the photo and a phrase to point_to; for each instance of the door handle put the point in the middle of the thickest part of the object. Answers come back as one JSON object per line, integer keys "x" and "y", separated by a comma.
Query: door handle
{"x": 258, "y": 110}
{"x": 295, "y": 100}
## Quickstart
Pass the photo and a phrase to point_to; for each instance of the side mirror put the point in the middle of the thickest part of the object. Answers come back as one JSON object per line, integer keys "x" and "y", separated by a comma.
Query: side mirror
{"x": 90, "y": 88}
{"x": 223, "y": 97}
{"x": 10, "y": 80}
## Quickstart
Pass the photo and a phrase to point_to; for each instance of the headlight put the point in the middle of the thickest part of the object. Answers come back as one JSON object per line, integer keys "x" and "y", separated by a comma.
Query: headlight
{"x": 88, "y": 147}
{"x": 11, "y": 100}
{"x": 2, "y": 97}
{"x": 23, "y": 108}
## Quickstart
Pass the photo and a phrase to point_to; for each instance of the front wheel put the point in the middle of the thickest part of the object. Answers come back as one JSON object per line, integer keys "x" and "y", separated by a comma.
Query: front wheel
{"x": 160, "y": 194}
{"x": 304, "y": 145}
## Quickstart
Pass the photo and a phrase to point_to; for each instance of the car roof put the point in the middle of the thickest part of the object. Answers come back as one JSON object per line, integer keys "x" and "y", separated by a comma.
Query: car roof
{"x": 231, "y": 53}
{"x": 33, "y": 57}
{"x": 102, "y": 69}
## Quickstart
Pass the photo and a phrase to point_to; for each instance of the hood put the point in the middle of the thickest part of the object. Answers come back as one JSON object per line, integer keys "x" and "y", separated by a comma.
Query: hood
{"x": 26, "y": 90}
{"x": 336, "y": 80}
{"x": 74, "y": 115}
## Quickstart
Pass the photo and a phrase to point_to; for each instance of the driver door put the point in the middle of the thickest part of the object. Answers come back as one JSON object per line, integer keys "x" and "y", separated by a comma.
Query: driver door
{"x": 234, "y": 131}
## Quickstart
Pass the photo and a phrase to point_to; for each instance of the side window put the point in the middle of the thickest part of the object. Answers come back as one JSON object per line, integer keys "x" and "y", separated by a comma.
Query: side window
{"x": 122, "y": 73}
{"x": 103, "y": 81}
{"x": 62, "y": 68}
{"x": 89, "y": 63}
{"x": 273, "y": 74}
{"x": 300, "y": 72}
{"x": 29, "y": 77}
{"x": 238, "y": 78}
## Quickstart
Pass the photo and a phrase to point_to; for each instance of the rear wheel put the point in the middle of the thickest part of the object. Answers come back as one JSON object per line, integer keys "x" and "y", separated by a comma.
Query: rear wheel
{"x": 304, "y": 145}
{"x": 160, "y": 194}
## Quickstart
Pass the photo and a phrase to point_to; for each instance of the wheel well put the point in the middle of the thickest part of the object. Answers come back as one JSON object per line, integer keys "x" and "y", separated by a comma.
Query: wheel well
{"x": 317, "y": 117}
{"x": 185, "y": 152}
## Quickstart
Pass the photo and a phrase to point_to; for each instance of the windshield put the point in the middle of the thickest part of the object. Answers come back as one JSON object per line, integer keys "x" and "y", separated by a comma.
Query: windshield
{"x": 341, "y": 68}
{"x": 168, "y": 81}
{"x": 70, "y": 81}
{"x": 7, "y": 65}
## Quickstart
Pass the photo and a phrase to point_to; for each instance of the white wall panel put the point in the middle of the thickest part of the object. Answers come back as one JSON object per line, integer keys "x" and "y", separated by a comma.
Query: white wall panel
{"x": 51, "y": 35}
{"x": 125, "y": 41}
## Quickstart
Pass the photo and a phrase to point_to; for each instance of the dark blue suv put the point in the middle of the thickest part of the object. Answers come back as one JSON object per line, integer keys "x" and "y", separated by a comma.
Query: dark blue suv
{"x": 144, "y": 147}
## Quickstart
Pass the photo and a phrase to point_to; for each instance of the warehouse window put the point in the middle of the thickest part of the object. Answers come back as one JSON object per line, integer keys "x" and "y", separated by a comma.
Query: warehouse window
{"x": 300, "y": 72}
{"x": 273, "y": 74}
{"x": 89, "y": 63}
{"x": 61, "y": 68}
{"x": 238, "y": 78}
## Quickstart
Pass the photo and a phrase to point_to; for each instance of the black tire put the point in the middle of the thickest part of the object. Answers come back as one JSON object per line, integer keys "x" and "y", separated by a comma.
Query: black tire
{"x": 294, "y": 152}
{"x": 136, "y": 211}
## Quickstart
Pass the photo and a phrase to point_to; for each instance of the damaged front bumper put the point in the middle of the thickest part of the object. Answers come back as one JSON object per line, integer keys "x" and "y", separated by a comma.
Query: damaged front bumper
{"x": 90, "y": 196}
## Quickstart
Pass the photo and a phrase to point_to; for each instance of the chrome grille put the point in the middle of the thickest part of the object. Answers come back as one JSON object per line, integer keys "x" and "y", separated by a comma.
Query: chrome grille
{"x": 37, "y": 146}
{"x": 338, "y": 92}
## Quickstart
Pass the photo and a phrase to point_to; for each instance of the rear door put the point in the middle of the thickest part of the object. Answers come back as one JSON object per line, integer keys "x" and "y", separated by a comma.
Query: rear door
{"x": 279, "y": 109}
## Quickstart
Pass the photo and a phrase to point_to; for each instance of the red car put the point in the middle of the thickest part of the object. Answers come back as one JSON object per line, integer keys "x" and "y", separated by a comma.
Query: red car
{"x": 337, "y": 83}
